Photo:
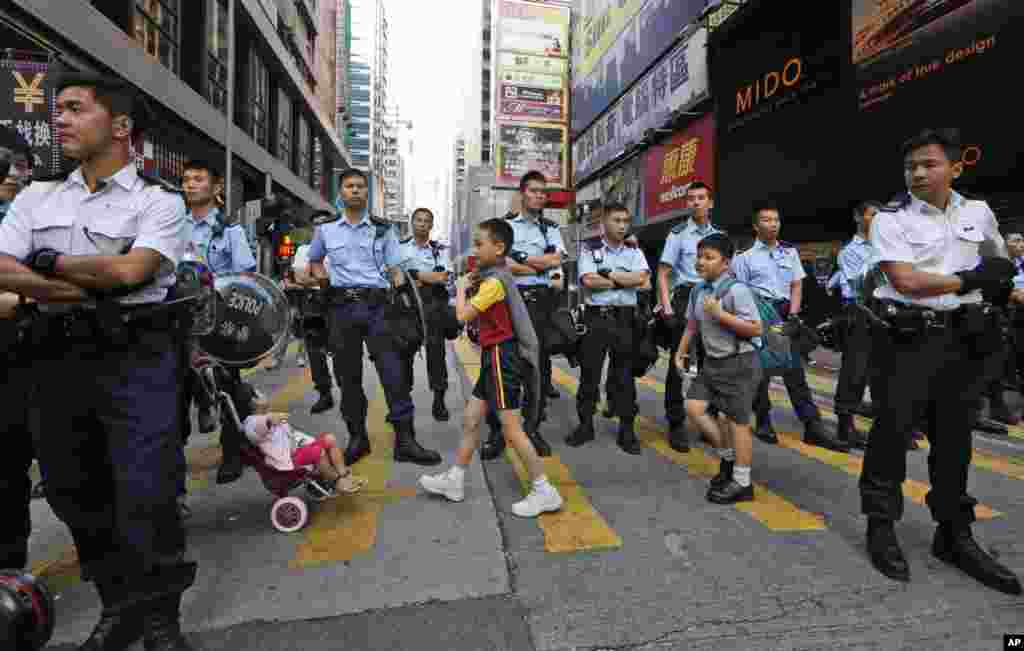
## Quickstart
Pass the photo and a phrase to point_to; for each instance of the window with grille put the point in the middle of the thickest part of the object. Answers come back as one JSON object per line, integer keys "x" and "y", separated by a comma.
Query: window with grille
{"x": 157, "y": 29}
{"x": 284, "y": 128}
{"x": 302, "y": 149}
{"x": 217, "y": 56}
{"x": 259, "y": 98}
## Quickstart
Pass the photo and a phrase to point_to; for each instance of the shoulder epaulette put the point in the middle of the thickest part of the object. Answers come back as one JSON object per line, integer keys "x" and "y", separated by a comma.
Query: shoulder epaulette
{"x": 406, "y": 240}
{"x": 630, "y": 242}
{"x": 152, "y": 179}
{"x": 594, "y": 243}
{"x": 897, "y": 203}
{"x": 787, "y": 245}
{"x": 434, "y": 244}
{"x": 680, "y": 227}
{"x": 549, "y": 222}
{"x": 511, "y": 215}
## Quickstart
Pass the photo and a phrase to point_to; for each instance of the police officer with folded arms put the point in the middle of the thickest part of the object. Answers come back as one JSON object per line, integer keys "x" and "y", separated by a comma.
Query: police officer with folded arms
{"x": 538, "y": 249}
{"x": 98, "y": 248}
{"x": 359, "y": 256}
{"x": 856, "y": 340}
{"x": 428, "y": 263}
{"x": 945, "y": 275}
{"x": 772, "y": 268}
{"x": 224, "y": 248}
{"x": 611, "y": 271}
{"x": 677, "y": 276}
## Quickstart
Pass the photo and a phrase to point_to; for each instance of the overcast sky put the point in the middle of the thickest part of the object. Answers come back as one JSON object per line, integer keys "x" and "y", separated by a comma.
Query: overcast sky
{"x": 431, "y": 66}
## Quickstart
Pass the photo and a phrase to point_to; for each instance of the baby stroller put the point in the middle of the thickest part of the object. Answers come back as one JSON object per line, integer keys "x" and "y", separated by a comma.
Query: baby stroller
{"x": 246, "y": 319}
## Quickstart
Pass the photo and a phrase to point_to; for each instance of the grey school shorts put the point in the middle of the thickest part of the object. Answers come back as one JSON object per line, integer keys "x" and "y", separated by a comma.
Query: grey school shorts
{"x": 729, "y": 384}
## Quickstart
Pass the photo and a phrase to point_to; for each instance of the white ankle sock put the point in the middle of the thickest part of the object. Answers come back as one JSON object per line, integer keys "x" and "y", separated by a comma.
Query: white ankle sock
{"x": 458, "y": 473}
{"x": 727, "y": 454}
{"x": 741, "y": 475}
{"x": 542, "y": 483}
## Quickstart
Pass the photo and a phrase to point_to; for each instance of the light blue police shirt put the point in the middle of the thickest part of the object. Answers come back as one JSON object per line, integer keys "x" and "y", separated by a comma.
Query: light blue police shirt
{"x": 852, "y": 259}
{"x": 424, "y": 258}
{"x": 680, "y": 252}
{"x": 624, "y": 258}
{"x": 1018, "y": 280}
{"x": 228, "y": 252}
{"x": 355, "y": 255}
{"x": 769, "y": 271}
{"x": 531, "y": 239}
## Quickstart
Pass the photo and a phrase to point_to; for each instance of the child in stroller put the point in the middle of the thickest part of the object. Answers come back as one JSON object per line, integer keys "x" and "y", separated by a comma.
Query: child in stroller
{"x": 286, "y": 449}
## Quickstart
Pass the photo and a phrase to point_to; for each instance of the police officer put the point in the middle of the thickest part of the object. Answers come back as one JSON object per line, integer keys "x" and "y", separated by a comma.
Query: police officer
{"x": 612, "y": 271}
{"x": 538, "y": 249}
{"x": 772, "y": 268}
{"x": 428, "y": 263}
{"x": 358, "y": 252}
{"x": 938, "y": 298}
{"x": 15, "y": 383}
{"x": 1003, "y": 366}
{"x": 677, "y": 276}
{"x": 853, "y": 374}
{"x": 1015, "y": 247}
{"x": 224, "y": 248}
{"x": 108, "y": 239}
{"x": 316, "y": 342}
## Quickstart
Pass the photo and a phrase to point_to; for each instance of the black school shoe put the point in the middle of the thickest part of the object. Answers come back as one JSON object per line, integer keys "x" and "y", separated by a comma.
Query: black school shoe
{"x": 731, "y": 493}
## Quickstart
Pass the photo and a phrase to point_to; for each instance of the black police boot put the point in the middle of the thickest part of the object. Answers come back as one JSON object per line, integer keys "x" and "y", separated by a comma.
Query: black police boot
{"x": 119, "y": 626}
{"x": 494, "y": 446}
{"x": 678, "y": 439}
{"x": 884, "y": 550}
{"x": 230, "y": 468}
{"x": 584, "y": 433}
{"x": 765, "y": 432}
{"x": 609, "y": 410}
{"x": 539, "y": 444}
{"x": 724, "y": 475}
{"x": 956, "y": 545}
{"x": 162, "y": 625}
{"x": 325, "y": 402}
{"x": 407, "y": 450}
{"x": 1001, "y": 412}
{"x": 358, "y": 443}
{"x": 628, "y": 442}
{"x": 440, "y": 410}
{"x": 848, "y": 433}
{"x": 816, "y": 434}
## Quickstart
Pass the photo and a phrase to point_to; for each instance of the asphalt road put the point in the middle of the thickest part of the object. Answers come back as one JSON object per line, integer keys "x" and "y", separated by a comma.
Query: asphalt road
{"x": 636, "y": 560}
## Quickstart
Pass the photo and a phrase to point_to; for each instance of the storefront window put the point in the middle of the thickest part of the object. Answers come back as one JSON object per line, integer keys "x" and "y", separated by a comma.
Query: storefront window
{"x": 156, "y": 29}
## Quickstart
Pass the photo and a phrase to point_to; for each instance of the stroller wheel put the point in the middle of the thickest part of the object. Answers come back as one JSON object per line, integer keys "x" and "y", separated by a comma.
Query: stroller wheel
{"x": 289, "y": 514}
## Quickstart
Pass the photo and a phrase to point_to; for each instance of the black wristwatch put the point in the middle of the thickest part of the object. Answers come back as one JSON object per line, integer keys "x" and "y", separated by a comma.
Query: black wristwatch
{"x": 45, "y": 261}
{"x": 414, "y": 274}
{"x": 519, "y": 257}
{"x": 605, "y": 273}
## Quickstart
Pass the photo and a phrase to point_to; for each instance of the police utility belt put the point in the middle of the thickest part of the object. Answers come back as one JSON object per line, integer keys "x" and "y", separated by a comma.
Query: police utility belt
{"x": 610, "y": 311}
{"x": 346, "y": 295}
{"x": 106, "y": 325}
{"x": 971, "y": 319}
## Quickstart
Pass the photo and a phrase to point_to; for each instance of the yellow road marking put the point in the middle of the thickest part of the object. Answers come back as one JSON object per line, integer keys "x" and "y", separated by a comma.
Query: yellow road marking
{"x": 342, "y": 527}
{"x": 578, "y": 526}
{"x": 771, "y": 510}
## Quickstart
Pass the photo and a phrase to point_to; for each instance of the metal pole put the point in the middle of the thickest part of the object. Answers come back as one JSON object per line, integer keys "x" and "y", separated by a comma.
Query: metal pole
{"x": 230, "y": 108}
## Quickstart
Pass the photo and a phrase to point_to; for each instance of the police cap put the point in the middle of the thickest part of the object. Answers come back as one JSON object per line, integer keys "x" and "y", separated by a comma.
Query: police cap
{"x": 121, "y": 97}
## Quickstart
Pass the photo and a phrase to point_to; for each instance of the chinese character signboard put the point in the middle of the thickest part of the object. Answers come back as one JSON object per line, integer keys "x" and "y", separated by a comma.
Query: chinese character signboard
{"x": 678, "y": 81}
{"x": 531, "y": 146}
{"x": 520, "y": 102}
{"x": 528, "y": 28}
{"x": 27, "y": 106}
{"x": 646, "y": 36}
{"x": 672, "y": 166}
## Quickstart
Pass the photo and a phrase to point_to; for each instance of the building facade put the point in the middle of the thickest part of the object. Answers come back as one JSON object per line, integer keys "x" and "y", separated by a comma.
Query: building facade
{"x": 217, "y": 79}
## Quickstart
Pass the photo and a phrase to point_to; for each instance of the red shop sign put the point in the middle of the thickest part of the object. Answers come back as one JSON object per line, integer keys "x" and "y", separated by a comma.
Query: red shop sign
{"x": 671, "y": 166}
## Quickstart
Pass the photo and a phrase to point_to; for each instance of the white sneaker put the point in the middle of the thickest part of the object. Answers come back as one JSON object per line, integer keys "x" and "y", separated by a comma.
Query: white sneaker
{"x": 445, "y": 485}
{"x": 540, "y": 500}
{"x": 302, "y": 361}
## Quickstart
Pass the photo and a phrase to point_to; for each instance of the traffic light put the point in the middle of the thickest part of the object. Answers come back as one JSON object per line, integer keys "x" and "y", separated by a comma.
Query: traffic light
{"x": 286, "y": 248}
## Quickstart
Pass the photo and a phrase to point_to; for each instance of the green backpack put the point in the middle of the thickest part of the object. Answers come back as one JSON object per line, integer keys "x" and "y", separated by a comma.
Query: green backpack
{"x": 773, "y": 347}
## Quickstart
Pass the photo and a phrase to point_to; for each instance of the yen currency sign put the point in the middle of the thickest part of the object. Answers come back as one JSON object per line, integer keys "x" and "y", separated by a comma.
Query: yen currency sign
{"x": 29, "y": 94}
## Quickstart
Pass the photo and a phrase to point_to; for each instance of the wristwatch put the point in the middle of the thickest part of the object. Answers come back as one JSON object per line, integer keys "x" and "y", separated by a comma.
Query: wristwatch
{"x": 605, "y": 273}
{"x": 519, "y": 257}
{"x": 414, "y": 274}
{"x": 44, "y": 261}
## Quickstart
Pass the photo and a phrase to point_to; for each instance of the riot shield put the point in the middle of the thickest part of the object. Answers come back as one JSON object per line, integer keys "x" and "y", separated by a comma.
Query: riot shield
{"x": 195, "y": 280}
{"x": 253, "y": 317}
{"x": 407, "y": 316}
